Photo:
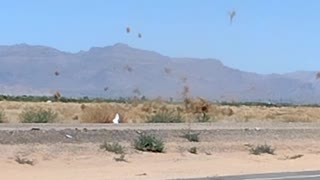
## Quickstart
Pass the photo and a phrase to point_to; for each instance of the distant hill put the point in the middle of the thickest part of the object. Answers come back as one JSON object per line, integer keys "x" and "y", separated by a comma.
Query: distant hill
{"x": 122, "y": 71}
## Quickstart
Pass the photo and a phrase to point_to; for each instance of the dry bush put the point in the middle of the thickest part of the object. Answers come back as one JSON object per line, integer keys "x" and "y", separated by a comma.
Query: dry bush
{"x": 20, "y": 160}
{"x": 135, "y": 101}
{"x": 103, "y": 113}
{"x": 198, "y": 105}
{"x": 262, "y": 149}
{"x": 286, "y": 114}
{"x": 57, "y": 96}
{"x": 121, "y": 158}
{"x": 221, "y": 111}
{"x": 179, "y": 109}
{"x": 82, "y": 107}
{"x": 193, "y": 150}
{"x": 227, "y": 111}
{"x": 154, "y": 106}
{"x": 134, "y": 115}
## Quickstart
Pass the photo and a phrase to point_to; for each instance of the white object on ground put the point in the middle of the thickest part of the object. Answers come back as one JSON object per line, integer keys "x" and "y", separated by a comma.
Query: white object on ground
{"x": 69, "y": 136}
{"x": 116, "y": 119}
{"x": 49, "y": 101}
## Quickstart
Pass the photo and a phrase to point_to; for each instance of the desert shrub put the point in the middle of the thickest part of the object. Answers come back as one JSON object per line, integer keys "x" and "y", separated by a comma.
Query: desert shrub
{"x": 121, "y": 158}
{"x": 2, "y": 116}
{"x": 191, "y": 136}
{"x": 113, "y": 147}
{"x": 148, "y": 143}
{"x": 297, "y": 156}
{"x": 165, "y": 116}
{"x": 38, "y": 115}
{"x": 193, "y": 150}
{"x": 24, "y": 161}
{"x": 262, "y": 149}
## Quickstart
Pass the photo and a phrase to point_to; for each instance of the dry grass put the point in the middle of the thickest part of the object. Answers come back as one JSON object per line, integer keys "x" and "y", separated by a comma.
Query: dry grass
{"x": 103, "y": 113}
{"x": 2, "y": 116}
{"x": 139, "y": 111}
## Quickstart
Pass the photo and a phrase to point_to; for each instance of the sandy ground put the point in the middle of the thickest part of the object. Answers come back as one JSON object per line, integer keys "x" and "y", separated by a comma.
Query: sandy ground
{"x": 87, "y": 161}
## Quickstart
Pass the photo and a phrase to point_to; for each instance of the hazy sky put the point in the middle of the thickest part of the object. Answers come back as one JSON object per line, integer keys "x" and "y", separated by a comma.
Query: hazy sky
{"x": 267, "y": 35}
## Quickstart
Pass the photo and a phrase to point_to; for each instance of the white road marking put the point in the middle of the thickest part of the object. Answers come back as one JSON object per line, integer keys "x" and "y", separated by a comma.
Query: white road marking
{"x": 287, "y": 177}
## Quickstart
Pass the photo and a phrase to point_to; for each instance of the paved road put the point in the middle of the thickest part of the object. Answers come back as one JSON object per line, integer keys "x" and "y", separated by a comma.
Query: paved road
{"x": 306, "y": 175}
{"x": 251, "y": 132}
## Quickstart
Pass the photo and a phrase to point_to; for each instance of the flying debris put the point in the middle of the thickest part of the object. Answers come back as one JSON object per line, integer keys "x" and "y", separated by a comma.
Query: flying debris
{"x": 232, "y": 14}
{"x": 137, "y": 91}
{"x": 128, "y": 68}
{"x": 252, "y": 87}
{"x": 57, "y": 95}
{"x": 318, "y": 75}
{"x": 167, "y": 70}
{"x": 128, "y": 29}
{"x": 185, "y": 91}
{"x": 139, "y": 35}
{"x": 57, "y": 73}
{"x": 184, "y": 79}
{"x": 106, "y": 88}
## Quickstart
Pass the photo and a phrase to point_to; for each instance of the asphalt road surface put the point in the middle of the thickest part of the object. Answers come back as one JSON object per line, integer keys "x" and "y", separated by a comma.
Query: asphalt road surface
{"x": 209, "y": 132}
{"x": 168, "y": 126}
{"x": 306, "y": 175}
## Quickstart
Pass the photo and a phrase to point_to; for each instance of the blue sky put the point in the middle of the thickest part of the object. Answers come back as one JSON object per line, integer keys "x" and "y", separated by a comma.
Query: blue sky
{"x": 267, "y": 36}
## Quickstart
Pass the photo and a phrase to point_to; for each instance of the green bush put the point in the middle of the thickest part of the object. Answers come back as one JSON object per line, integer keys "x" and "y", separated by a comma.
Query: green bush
{"x": 149, "y": 143}
{"x": 33, "y": 115}
{"x": 113, "y": 147}
{"x": 261, "y": 149}
{"x": 165, "y": 117}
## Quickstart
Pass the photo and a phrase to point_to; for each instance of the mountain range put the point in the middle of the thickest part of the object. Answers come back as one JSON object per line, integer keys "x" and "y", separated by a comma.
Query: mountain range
{"x": 123, "y": 71}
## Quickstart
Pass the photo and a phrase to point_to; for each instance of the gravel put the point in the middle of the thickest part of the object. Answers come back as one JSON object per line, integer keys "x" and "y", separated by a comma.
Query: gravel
{"x": 258, "y": 131}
